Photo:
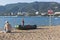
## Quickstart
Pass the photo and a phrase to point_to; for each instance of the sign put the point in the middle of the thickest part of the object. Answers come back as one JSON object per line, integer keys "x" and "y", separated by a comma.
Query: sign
{"x": 50, "y": 11}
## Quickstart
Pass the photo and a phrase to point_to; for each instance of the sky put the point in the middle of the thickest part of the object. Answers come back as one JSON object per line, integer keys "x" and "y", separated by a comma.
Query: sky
{"x": 4, "y": 2}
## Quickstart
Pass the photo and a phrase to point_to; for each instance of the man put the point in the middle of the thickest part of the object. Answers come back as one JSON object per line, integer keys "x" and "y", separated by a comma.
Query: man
{"x": 7, "y": 27}
{"x": 22, "y": 22}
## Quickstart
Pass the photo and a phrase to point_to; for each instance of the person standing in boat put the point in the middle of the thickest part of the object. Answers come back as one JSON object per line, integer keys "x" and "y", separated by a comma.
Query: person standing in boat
{"x": 22, "y": 22}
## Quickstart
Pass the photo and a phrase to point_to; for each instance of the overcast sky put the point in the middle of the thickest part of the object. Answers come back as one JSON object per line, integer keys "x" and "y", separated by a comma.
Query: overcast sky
{"x": 4, "y": 2}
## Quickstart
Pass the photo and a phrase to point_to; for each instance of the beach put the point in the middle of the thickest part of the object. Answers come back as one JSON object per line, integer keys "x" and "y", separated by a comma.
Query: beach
{"x": 41, "y": 33}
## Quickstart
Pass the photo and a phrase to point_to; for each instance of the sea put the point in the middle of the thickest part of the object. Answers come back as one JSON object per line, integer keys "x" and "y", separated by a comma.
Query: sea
{"x": 30, "y": 20}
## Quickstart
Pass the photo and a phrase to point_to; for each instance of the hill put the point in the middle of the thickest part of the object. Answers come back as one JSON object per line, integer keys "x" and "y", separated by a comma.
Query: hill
{"x": 29, "y": 7}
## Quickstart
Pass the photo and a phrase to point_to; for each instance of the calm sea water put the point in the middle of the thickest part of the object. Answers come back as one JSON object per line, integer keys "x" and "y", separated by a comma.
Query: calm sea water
{"x": 33, "y": 20}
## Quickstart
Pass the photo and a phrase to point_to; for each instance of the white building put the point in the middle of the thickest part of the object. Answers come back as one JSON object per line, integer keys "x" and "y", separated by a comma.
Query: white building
{"x": 37, "y": 13}
{"x": 57, "y": 13}
{"x": 12, "y": 13}
{"x": 43, "y": 13}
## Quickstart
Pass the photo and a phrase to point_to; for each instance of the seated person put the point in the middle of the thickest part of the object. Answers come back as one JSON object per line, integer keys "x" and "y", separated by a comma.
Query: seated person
{"x": 7, "y": 27}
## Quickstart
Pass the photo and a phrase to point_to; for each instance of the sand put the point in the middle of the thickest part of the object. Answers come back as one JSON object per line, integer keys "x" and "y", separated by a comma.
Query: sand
{"x": 41, "y": 33}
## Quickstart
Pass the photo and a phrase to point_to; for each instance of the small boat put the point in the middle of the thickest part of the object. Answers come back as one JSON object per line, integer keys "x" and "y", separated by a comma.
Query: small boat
{"x": 26, "y": 27}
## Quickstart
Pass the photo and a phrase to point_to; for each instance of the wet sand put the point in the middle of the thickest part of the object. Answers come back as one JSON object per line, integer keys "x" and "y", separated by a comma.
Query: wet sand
{"x": 41, "y": 33}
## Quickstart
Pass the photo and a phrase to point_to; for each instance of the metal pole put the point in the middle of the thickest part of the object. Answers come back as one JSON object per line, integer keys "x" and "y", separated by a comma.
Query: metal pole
{"x": 50, "y": 23}
{"x": 50, "y": 12}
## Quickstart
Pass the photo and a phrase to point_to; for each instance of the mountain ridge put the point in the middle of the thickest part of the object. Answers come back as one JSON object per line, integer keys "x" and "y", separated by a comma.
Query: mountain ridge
{"x": 29, "y": 7}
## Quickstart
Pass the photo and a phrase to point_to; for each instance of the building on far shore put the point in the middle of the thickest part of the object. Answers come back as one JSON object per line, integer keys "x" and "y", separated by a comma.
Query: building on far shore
{"x": 57, "y": 13}
{"x": 43, "y": 14}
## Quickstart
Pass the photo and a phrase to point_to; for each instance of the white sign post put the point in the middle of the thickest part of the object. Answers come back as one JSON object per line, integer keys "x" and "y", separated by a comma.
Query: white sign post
{"x": 50, "y": 17}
